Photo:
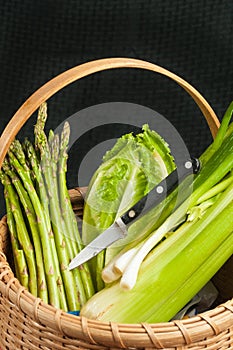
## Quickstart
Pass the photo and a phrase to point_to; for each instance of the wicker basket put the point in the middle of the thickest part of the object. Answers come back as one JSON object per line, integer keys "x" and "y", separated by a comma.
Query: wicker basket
{"x": 28, "y": 323}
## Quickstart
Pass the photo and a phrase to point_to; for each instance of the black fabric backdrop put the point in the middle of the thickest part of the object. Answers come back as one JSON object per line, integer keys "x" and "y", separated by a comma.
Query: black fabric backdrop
{"x": 40, "y": 39}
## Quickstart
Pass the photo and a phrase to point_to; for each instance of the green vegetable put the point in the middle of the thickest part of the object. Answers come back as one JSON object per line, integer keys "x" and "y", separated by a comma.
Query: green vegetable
{"x": 44, "y": 233}
{"x": 128, "y": 172}
{"x": 58, "y": 226}
{"x": 82, "y": 273}
{"x": 161, "y": 291}
{"x": 22, "y": 233}
{"x": 18, "y": 253}
{"x": 31, "y": 217}
{"x": 42, "y": 225}
{"x": 158, "y": 275}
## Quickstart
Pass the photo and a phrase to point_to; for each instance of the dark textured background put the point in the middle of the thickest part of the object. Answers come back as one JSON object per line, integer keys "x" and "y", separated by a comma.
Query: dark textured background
{"x": 40, "y": 39}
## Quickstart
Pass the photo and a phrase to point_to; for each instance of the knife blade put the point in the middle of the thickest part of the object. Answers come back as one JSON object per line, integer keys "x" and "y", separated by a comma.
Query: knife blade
{"x": 118, "y": 229}
{"x": 104, "y": 240}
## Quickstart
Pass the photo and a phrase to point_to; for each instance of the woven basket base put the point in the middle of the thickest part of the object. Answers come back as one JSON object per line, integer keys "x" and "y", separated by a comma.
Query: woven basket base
{"x": 18, "y": 330}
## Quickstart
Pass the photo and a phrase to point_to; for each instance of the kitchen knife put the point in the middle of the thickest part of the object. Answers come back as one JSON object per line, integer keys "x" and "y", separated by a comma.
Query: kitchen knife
{"x": 118, "y": 229}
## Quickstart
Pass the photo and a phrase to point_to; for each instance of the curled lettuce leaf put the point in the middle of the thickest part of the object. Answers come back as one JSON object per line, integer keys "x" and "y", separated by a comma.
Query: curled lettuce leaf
{"x": 134, "y": 165}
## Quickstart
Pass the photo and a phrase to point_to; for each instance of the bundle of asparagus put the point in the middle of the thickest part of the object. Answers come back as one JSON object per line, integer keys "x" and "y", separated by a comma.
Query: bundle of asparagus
{"x": 43, "y": 228}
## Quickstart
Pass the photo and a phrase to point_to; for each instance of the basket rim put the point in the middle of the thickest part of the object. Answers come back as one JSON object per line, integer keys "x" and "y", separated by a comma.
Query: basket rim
{"x": 166, "y": 334}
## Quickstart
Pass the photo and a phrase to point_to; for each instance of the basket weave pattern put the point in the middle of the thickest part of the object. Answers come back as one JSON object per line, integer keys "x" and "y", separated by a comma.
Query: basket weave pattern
{"x": 27, "y": 323}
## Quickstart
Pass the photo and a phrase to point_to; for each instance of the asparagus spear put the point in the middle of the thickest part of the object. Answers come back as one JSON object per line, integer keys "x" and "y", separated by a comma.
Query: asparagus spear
{"x": 67, "y": 211}
{"x": 54, "y": 153}
{"x": 53, "y": 141}
{"x": 31, "y": 216}
{"x": 41, "y": 120}
{"x": 67, "y": 276}
{"x": 34, "y": 163}
{"x": 42, "y": 193}
{"x": 22, "y": 232}
{"x": 68, "y": 214}
{"x": 17, "y": 149}
{"x": 18, "y": 254}
{"x": 42, "y": 226}
{"x": 39, "y": 127}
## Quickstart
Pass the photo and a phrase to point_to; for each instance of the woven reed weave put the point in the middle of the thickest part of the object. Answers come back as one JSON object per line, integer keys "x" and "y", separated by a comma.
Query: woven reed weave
{"x": 28, "y": 323}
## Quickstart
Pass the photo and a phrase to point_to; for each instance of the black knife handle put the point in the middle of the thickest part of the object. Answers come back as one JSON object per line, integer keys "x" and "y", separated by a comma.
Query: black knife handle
{"x": 160, "y": 192}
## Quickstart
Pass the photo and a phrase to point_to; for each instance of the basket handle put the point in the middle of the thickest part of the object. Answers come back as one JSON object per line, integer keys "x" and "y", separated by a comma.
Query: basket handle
{"x": 83, "y": 70}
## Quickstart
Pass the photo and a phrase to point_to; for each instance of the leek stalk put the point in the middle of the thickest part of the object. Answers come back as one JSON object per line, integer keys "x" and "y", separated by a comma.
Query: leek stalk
{"x": 185, "y": 251}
